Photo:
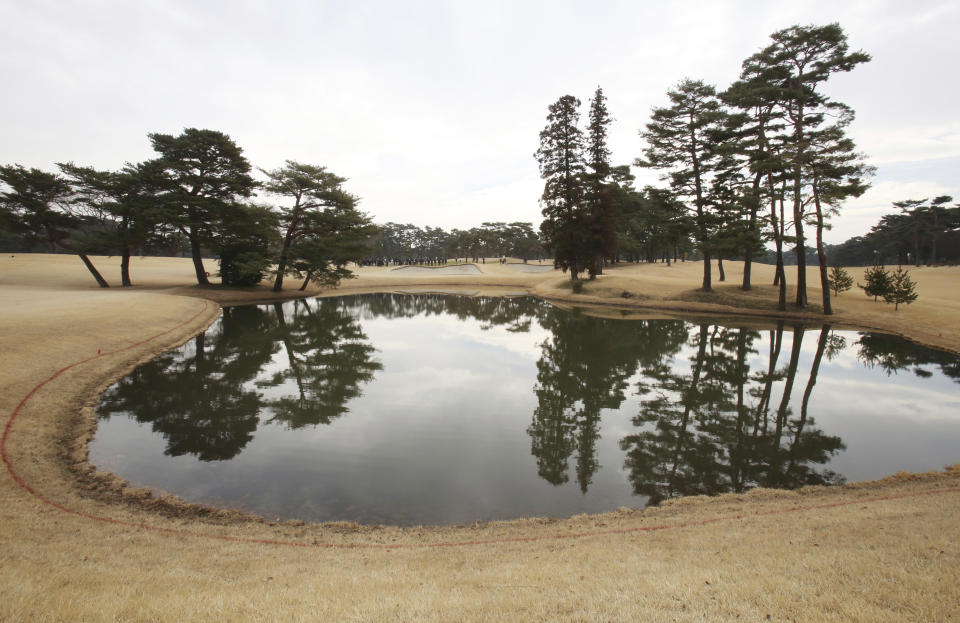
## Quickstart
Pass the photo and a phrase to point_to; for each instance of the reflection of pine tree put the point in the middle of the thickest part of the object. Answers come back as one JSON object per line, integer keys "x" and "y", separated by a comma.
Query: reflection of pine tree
{"x": 196, "y": 396}
{"x": 583, "y": 369}
{"x": 810, "y": 445}
{"x": 660, "y": 460}
{"x": 892, "y": 353}
{"x": 700, "y": 435}
{"x": 328, "y": 357}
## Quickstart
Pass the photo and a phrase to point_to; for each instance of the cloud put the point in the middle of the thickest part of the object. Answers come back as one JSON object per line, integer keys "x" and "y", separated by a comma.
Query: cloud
{"x": 433, "y": 109}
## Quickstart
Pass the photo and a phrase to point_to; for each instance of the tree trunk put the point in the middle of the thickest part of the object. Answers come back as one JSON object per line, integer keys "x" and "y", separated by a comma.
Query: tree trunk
{"x": 93, "y": 270}
{"x": 707, "y": 286}
{"x": 287, "y": 241}
{"x": 747, "y": 265}
{"x": 125, "y": 267}
{"x": 780, "y": 277}
{"x": 752, "y": 229}
{"x": 281, "y": 267}
{"x": 798, "y": 138}
{"x": 197, "y": 259}
{"x": 822, "y": 255}
{"x": 801, "y": 250}
{"x": 723, "y": 275}
{"x": 306, "y": 280}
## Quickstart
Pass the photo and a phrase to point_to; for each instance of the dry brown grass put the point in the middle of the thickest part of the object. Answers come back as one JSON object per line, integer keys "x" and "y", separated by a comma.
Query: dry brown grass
{"x": 885, "y": 551}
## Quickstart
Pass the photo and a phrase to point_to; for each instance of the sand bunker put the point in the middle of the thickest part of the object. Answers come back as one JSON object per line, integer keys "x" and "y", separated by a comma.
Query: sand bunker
{"x": 531, "y": 268}
{"x": 462, "y": 269}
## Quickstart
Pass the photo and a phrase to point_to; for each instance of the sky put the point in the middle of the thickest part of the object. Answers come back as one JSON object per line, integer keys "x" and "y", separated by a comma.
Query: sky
{"x": 432, "y": 110}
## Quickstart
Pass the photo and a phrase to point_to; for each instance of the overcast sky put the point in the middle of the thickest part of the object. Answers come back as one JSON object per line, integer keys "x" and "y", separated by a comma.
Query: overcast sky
{"x": 432, "y": 110}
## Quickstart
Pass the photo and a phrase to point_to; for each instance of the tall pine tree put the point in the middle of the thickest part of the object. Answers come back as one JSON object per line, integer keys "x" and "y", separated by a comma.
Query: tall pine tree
{"x": 795, "y": 66}
{"x": 681, "y": 140}
{"x": 204, "y": 172}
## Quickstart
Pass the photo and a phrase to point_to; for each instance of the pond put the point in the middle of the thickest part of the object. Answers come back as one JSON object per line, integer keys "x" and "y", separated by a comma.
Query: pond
{"x": 412, "y": 409}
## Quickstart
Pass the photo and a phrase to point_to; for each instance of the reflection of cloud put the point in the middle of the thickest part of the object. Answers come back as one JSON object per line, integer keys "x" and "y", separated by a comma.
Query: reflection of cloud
{"x": 526, "y": 344}
{"x": 910, "y": 400}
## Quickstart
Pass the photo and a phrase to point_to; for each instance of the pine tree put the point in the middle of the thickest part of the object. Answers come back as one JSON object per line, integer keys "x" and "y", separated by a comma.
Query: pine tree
{"x": 878, "y": 282}
{"x": 795, "y": 65}
{"x": 840, "y": 280}
{"x": 36, "y": 204}
{"x": 836, "y": 174}
{"x": 902, "y": 289}
{"x": 758, "y": 129}
{"x": 203, "y": 172}
{"x": 312, "y": 191}
{"x": 680, "y": 140}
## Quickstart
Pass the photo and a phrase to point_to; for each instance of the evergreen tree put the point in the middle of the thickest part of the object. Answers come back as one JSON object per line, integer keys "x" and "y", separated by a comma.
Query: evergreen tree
{"x": 243, "y": 244}
{"x": 755, "y": 132}
{"x": 562, "y": 167}
{"x": 203, "y": 173}
{"x": 37, "y": 205}
{"x": 902, "y": 289}
{"x": 796, "y": 64}
{"x": 878, "y": 282}
{"x": 601, "y": 194}
{"x": 836, "y": 174}
{"x": 338, "y": 236}
{"x": 320, "y": 209}
{"x": 680, "y": 140}
{"x": 840, "y": 280}
{"x": 123, "y": 205}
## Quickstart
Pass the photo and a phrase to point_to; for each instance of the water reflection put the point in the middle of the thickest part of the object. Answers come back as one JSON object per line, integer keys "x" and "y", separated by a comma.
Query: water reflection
{"x": 198, "y": 396}
{"x": 713, "y": 428}
{"x": 584, "y": 368}
{"x": 205, "y": 398}
{"x": 621, "y": 412}
{"x": 328, "y": 358}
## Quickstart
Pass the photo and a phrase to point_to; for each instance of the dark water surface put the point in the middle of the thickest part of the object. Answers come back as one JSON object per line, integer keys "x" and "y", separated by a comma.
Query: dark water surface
{"x": 439, "y": 409}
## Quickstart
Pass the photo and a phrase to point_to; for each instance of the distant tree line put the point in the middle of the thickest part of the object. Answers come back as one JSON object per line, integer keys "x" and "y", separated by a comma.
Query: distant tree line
{"x": 406, "y": 242}
{"x": 921, "y": 231}
{"x": 766, "y": 160}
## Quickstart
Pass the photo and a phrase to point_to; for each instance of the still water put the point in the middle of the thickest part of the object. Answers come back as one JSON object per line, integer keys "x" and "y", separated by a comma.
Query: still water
{"x": 441, "y": 409}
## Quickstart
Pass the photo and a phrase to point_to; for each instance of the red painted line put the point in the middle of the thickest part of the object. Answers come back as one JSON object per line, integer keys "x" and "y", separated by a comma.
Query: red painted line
{"x": 385, "y": 546}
